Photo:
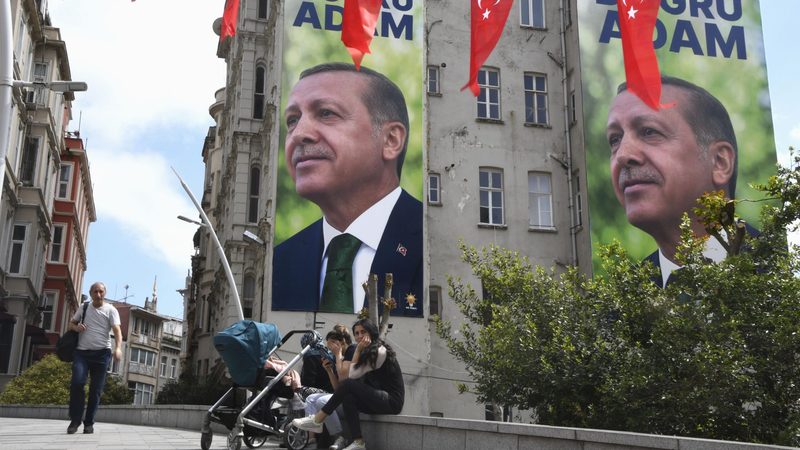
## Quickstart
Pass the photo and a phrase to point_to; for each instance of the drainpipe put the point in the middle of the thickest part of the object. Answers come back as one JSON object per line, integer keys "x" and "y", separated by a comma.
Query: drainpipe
{"x": 564, "y": 87}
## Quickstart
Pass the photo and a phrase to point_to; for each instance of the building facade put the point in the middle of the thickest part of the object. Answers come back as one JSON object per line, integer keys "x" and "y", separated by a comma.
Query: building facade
{"x": 505, "y": 168}
{"x": 32, "y": 167}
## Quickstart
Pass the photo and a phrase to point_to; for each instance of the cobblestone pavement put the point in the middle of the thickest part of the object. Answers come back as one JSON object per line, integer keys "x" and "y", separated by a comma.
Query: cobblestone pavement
{"x": 41, "y": 434}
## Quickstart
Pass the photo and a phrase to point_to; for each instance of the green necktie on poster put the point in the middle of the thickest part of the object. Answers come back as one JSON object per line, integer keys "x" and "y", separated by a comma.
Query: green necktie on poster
{"x": 337, "y": 290}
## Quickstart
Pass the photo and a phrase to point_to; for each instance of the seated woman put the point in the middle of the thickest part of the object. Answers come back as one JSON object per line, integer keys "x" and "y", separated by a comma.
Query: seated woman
{"x": 374, "y": 385}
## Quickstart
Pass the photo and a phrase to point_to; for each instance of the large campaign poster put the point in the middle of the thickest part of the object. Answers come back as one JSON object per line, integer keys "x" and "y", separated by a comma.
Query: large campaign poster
{"x": 714, "y": 44}
{"x": 312, "y": 36}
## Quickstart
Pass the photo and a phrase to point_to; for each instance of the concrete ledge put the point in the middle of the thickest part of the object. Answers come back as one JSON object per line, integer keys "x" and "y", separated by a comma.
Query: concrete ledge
{"x": 414, "y": 432}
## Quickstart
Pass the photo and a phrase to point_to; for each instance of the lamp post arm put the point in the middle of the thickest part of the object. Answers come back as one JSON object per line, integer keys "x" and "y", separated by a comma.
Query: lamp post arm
{"x": 214, "y": 237}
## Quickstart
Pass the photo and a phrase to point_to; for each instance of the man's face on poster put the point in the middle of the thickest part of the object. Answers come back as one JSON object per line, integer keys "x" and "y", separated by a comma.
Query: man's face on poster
{"x": 658, "y": 169}
{"x": 332, "y": 146}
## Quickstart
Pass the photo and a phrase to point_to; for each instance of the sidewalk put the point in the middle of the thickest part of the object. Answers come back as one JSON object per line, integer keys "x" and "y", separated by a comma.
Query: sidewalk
{"x": 41, "y": 434}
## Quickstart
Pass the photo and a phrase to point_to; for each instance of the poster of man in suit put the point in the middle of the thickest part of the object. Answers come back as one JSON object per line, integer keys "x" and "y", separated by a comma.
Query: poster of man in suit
{"x": 350, "y": 174}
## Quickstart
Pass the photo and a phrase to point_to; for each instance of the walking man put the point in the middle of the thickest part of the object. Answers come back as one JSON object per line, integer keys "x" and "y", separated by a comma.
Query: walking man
{"x": 92, "y": 356}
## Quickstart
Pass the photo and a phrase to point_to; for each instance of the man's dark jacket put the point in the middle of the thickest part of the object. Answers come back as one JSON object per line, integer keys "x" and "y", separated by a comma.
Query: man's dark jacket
{"x": 297, "y": 262}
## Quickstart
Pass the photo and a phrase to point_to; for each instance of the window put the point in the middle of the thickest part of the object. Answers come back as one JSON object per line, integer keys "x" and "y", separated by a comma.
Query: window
{"x": 434, "y": 189}
{"x": 491, "y": 196}
{"x": 258, "y": 96}
{"x": 22, "y": 34}
{"x": 262, "y": 9}
{"x": 252, "y": 204}
{"x": 535, "y": 98}
{"x": 433, "y": 81}
{"x": 540, "y": 200}
{"x": 143, "y": 357}
{"x": 489, "y": 96}
{"x": 17, "y": 254}
{"x": 567, "y": 13}
{"x": 64, "y": 187}
{"x": 248, "y": 295}
{"x": 573, "y": 109}
{"x": 57, "y": 244}
{"x": 163, "y": 372}
{"x": 435, "y": 308}
{"x": 30, "y": 155}
{"x": 173, "y": 368}
{"x": 142, "y": 393}
{"x": 113, "y": 366}
{"x": 531, "y": 13}
{"x": 38, "y": 95}
{"x": 46, "y": 305}
{"x": 578, "y": 206}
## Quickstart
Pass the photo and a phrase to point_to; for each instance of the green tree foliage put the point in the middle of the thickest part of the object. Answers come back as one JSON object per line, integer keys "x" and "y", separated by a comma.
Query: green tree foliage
{"x": 715, "y": 355}
{"x": 192, "y": 390}
{"x": 47, "y": 383}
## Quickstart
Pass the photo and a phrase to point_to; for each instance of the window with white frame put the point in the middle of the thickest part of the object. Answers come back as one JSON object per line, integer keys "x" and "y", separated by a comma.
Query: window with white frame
{"x": 17, "y": 253}
{"x": 248, "y": 295}
{"x": 142, "y": 393}
{"x": 64, "y": 186}
{"x": 144, "y": 357}
{"x": 163, "y": 372}
{"x": 30, "y": 155}
{"x": 578, "y": 206}
{"x": 433, "y": 81}
{"x": 540, "y": 200}
{"x": 173, "y": 368}
{"x": 57, "y": 243}
{"x": 491, "y": 196}
{"x": 258, "y": 95}
{"x": 262, "y": 9}
{"x": 435, "y": 296}
{"x": 531, "y": 13}
{"x": 434, "y": 189}
{"x": 46, "y": 306}
{"x": 536, "y": 98}
{"x": 252, "y": 203}
{"x": 489, "y": 96}
{"x": 22, "y": 34}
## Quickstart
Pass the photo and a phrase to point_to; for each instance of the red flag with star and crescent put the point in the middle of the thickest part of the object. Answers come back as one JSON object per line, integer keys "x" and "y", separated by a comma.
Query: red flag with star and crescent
{"x": 488, "y": 19}
{"x": 229, "y": 18}
{"x": 359, "y": 19}
{"x": 637, "y": 20}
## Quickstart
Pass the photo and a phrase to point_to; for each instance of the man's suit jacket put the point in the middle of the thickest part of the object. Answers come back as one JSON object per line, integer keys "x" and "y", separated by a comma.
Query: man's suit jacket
{"x": 297, "y": 262}
{"x": 654, "y": 259}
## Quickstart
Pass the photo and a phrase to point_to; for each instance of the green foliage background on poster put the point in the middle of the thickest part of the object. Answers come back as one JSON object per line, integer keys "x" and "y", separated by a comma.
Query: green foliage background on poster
{"x": 741, "y": 85}
{"x": 399, "y": 59}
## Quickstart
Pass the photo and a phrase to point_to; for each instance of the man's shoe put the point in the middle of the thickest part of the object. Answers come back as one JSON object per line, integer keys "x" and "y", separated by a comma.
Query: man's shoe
{"x": 308, "y": 424}
{"x": 358, "y": 444}
{"x": 339, "y": 444}
{"x": 88, "y": 429}
{"x": 72, "y": 428}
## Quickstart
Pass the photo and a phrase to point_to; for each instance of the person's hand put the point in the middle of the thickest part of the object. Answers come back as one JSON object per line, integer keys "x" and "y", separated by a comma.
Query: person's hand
{"x": 364, "y": 343}
{"x": 80, "y": 328}
{"x": 118, "y": 354}
{"x": 335, "y": 348}
{"x": 327, "y": 364}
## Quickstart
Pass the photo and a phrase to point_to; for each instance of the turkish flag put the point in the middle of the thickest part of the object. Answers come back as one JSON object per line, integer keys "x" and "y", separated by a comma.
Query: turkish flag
{"x": 637, "y": 19}
{"x": 488, "y": 19}
{"x": 229, "y": 18}
{"x": 359, "y": 19}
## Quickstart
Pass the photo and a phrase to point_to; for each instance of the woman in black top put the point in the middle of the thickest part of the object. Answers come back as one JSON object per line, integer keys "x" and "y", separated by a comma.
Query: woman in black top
{"x": 374, "y": 385}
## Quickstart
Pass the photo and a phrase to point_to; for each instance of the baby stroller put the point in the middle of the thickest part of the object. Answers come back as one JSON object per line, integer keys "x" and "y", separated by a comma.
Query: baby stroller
{"x": 245, "y": 346}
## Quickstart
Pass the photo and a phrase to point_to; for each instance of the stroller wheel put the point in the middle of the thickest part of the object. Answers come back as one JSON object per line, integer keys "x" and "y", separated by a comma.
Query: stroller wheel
{"x": 234, "y": 442}
{"x": 293, "y": 437}
{"x": 254, "y": 438}
{"x": 205, "y": 440}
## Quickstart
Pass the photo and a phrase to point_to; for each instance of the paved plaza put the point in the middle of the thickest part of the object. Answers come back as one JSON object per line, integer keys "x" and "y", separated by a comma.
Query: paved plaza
{"x": 41, "y": 434}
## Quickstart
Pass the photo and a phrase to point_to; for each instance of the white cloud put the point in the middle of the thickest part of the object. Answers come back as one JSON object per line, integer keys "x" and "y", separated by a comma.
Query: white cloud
{"x": 137, "y": 191}
{"x": 794, "y": 134}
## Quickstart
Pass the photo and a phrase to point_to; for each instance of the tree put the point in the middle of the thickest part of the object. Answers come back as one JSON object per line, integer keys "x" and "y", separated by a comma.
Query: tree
{"x": 47, "y": 381}
{"x": 189, "y": 389}
{"x": 716, "y": 354}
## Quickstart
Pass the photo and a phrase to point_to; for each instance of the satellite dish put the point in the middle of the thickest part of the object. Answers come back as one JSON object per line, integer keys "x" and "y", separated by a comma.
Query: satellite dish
{"x": 217, "y": 26}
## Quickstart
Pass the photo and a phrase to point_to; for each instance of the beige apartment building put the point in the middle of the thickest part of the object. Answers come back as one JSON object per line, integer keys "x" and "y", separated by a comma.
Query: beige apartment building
{"x": 506, "y": 168}
{"x": 32, "y": 184}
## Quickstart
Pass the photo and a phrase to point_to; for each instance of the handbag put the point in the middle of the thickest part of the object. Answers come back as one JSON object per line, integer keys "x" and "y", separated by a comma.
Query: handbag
{"x": 68, "y": 342}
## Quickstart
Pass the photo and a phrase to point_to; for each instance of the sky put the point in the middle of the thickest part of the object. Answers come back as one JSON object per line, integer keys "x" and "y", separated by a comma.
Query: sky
{"x": 152, "y": 71}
